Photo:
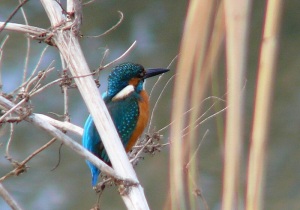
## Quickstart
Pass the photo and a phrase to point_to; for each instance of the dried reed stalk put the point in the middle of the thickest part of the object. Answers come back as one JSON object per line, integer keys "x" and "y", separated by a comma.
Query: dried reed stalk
{"x": 200, "y": 48}
{"x": 263, "y": 99}
{"x": 237, "y": 25}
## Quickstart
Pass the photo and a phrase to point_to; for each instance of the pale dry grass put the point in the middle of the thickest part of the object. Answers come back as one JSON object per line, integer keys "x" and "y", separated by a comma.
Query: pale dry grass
{"x": 207, "y": 23}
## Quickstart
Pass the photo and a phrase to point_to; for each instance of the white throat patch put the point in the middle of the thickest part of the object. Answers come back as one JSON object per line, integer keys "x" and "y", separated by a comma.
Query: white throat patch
{"x": 123, "y": 93}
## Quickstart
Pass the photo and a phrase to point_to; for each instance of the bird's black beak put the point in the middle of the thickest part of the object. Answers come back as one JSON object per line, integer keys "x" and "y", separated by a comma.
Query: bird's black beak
{"x": 154, "y": 72}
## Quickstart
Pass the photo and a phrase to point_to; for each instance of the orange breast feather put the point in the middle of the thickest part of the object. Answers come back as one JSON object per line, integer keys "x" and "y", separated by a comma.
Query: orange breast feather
{"x": 142, "y": 120}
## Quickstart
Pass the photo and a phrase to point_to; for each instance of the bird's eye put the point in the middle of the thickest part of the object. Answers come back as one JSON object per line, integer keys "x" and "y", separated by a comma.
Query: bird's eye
{"x": 142, "y": 74}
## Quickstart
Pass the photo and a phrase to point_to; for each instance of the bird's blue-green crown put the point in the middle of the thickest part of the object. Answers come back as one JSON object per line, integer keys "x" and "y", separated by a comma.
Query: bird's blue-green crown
{"x": 121, "y": 75}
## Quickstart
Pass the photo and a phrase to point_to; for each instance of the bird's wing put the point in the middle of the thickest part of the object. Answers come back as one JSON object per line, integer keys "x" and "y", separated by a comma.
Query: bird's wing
{"x": 92, "y": 141}
{"x": 124, "y": 114}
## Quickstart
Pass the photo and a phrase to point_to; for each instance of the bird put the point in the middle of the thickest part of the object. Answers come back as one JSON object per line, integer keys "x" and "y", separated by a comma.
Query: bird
{"x": 128, "y": 104}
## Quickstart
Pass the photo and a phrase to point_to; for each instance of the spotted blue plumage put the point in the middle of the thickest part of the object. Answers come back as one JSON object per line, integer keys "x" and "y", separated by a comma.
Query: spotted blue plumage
{"x": 124, "y": 112}
{"x": 91, "y": 139}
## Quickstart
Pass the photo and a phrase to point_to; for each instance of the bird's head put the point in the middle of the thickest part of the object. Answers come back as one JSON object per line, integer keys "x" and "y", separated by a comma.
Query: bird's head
{"x": 128, "y": 77}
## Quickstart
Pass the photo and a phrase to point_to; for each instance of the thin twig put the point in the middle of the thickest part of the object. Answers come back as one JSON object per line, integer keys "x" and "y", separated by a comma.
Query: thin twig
{"x": 103, "y": 57}
{"x": 199, "y": 118}
{"x": 13, "y": 14}
{"x": 197, "y": 190}
{"x": 141, "y": 150}
{"x": 97, "y": 73}
{"x": 35, "y": 69}
{"x": 161, "y": 92}
{"x": 155, "y": 84}
{"x": 108, "y": 64}
{"x": 66, "y": 103}
{"x": 45, "y": 86}
{"x": 38, "y": 83}
{"x": 210, "y": 97}
{"x": 1, "y": 54}
{"x": 39, "y": 62}
{"x": 120, "y": 57}
{"x": 12, "y": 109}
{"x": 209, "y": 117}
{"x": 28, "y": 46}
{"x": 88, "y": 2}
{"x": 197, "y": 149}
{"x": 59, "y": 155}
{"x": 37, "y": 77}
{"x": 111, "y": 29}
{"x": 9, "y": 140}
{"x": 37, "y": 152}
{"x": 21, "y": 166}
{"x": 156, "y": 103}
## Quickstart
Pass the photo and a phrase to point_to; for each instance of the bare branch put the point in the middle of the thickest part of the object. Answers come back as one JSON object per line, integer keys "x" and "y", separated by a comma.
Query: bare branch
{"x": 8, "y": 198}
{"x": 62, "y": 125}
{"x": 39, "y": 122}
{"x": 34, "y": 31}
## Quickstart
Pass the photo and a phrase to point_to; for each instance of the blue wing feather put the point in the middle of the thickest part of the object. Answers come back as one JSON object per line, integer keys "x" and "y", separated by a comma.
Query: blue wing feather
{"x": 124, "y": 114}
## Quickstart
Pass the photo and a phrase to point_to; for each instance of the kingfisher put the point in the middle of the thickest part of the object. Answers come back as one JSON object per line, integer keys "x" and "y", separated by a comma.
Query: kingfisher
{"x": 128, "y": 104}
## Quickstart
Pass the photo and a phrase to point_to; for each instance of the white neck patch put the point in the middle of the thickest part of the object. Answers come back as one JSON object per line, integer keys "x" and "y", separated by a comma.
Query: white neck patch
{"x": 123, "y": 93}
